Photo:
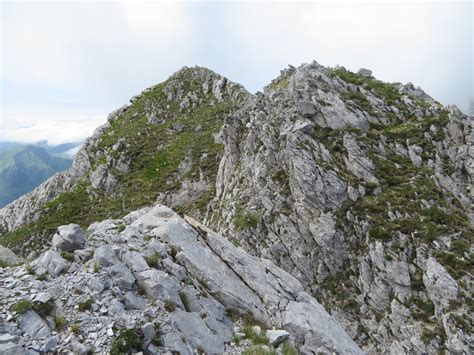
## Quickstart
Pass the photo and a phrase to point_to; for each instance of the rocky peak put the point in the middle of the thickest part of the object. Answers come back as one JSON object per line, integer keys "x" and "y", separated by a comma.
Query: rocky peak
{"x": 356, "y": 186}
{"x": 360, "y": 189}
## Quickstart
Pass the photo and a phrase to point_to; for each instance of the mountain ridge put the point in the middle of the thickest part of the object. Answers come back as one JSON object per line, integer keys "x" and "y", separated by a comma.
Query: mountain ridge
{"x": 359, "y": 188}
{"x": 23, "y": 168}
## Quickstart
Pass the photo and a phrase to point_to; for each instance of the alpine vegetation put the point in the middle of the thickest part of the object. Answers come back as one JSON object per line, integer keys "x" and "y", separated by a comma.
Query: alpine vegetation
{"x": 335, "y": 217}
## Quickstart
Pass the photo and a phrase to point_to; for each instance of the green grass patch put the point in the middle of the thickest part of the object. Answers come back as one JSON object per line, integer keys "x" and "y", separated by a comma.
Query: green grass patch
{"x": 154, "y": 260}
{"x": 245, "y": 219}
{"x": 185, "y": 301}
{"x": 21, "y": 307}
{"x": 155, "y": 151}
{"x": 86, "y": 305}
{"x": 125, "y": 341}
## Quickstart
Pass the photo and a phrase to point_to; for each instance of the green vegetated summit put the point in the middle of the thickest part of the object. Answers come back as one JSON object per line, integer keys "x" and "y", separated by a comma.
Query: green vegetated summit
{"x": 359, "y": 188}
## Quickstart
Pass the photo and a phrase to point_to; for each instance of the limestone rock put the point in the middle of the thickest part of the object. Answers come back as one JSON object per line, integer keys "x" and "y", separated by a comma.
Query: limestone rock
{"x": 7, "y": 257}
{"x": 51, "y": 263}
{"x": 365, "y": 72}
{"x": 276, "y": 337}
{"x": 69, "y": 238}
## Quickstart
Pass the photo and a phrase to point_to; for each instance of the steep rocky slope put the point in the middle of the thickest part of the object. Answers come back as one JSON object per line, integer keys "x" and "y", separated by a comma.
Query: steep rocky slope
{"x": 163, "y": 147}
{"x": 363, "y": 191}
{"x": 360, "y": 189}
{"x": 153, "y": 282}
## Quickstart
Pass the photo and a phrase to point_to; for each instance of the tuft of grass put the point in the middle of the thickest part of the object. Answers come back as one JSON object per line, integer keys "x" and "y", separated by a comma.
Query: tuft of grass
{"x": 121, "y": 227}
{"x": 43, "y": 309}
{"x": 259, "y": 350}
{"x": 236, "y": 339}
{"x": 184, "y": 299}
{"x": 125, "y": 341}
{"x": 67, "y": 255}
{"x": 42, "y": 277}
{"x": 245, "y": 219}
{"x": 256, "y": 339}
{"x": 154, "y": 260}
{"x": 96, "y": 267}
{"x": 75, "y": 328}
{"x": 21, "y": 307}
{"x": 156, "y": 340}
{"x": 29, "y": 269}
{"x": 169, "y": 306}
{"x": 86, "y": 306}
{"x": 358, "y": 98}
{"x": 288, "y": 349}
{"x": 60, "y": 322}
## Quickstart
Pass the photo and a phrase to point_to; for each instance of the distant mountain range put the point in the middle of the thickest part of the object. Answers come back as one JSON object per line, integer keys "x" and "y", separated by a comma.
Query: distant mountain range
{"x": 24, "y": 167}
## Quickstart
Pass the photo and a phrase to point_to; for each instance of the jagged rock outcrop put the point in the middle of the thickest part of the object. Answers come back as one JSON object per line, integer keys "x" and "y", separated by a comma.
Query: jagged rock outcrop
{"x": 360, "y": 189}
{"x": 160, "y": 284}
{"x": 363, "y": 191}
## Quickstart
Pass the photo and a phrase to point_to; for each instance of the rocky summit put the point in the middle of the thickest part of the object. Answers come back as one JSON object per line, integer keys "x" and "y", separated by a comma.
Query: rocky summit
{"x": 342, "y": 211}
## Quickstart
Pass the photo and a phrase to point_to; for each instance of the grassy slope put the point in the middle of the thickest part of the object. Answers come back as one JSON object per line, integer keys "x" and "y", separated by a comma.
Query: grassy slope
{"x": 424, "y": 211}
{"x": 156, "y": 152}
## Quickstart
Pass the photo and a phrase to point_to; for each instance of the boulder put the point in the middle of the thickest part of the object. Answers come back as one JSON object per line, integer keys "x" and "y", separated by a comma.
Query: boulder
{"x": 50, "y": 344}
{"x": 10, "y": 349}
{"x": 105, "y": 256}
{"x": 174, "y": 342}
{"x": 365, "y": 72}
{"x": 158, "y": 285}
{"x": 7, "y": 257}
{"x": 121, "y": 276}
{"x": 148, "y": 330}
{"x": 51, "y": 263}
{"x": 133, "y": 301}
{"x": 32, "y": 324}
{"x": 276, "y": 337}
{"x": 69, "y": 238}
{"x": 306, "y": 109}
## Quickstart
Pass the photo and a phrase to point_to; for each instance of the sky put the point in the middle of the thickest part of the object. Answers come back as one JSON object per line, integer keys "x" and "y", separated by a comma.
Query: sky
{"x": 65, "y": 65}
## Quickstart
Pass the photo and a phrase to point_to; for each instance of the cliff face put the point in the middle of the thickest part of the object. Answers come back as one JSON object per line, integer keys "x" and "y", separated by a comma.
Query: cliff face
{"x": 360, "y": 189}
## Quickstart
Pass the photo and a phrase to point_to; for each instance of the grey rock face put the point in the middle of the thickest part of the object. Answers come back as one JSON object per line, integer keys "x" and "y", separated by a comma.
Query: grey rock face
{"x": 310, "y": 200}
{"x": 189, "y": 297}
{"x": 121, "y": 276}
{"x": 159, "y": 285}
{"x": 365, "y": 72}
{"x": 10, "y": 349}
{"x": 51, "y": 263}
{"x": 69, "y": 238}
{"x": 276, "y": 337}
{"x": 196, "y": 330}
{"x": 8, "y": 257}
{"x": 133, "y": 301}
{"x": 105, "y": 256}
{"x": 441, "y": 287}
{"x": 32, "y": 324}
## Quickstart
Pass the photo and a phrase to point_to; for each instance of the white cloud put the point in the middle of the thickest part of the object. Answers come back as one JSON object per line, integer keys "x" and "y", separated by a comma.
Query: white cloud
{"x": 168, "y": 21}
{"x": 58, "y": 129}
